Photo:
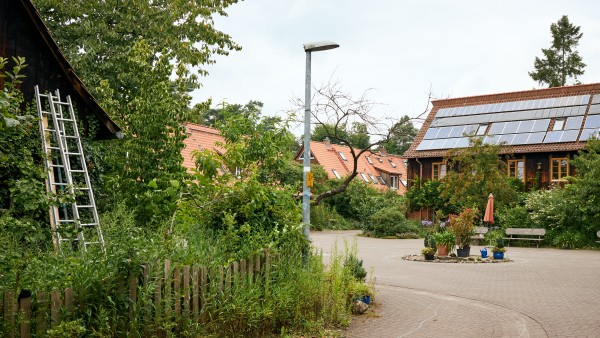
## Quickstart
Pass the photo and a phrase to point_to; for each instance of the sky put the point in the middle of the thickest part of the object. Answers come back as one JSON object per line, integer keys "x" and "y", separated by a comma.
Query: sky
{"x": 397, "y": 51}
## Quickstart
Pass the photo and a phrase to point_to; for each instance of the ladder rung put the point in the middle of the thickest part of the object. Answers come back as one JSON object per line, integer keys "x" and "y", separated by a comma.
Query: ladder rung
{"x": 63, "y": 184}
{"x": 66, "y": 153}
{"x": 69, "y": 136}
{"x": 66, "y": 221}
{"x": 81, "y": 188}
{"x": 61, "y": 103}
{"x": 68, "y": 120}
{"x": 48, "y": 129}
{"x": 53, "y": 148}
{"x": 76, "y": 171}
{"x": 89, "y": 225}
{"x": 85, "y": 206}
{"x": 57, "y": 166}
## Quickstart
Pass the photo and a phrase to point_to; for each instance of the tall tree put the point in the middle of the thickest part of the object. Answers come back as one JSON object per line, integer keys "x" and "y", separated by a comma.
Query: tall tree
{"x": 403, "y": 135}
{"x": 561, "y": 60}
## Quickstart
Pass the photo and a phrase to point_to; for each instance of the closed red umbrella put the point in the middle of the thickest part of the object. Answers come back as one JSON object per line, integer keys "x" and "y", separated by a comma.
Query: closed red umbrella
{"x": 489, "y": 210}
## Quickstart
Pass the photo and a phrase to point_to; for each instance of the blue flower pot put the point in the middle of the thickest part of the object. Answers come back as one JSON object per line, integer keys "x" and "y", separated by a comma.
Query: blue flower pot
{"x": 498, "y": 255}
{"x": 366, "y": 299}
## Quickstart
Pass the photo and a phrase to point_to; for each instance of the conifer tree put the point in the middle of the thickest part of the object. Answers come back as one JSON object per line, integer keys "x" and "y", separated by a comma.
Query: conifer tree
{"x": 561, "y": 60}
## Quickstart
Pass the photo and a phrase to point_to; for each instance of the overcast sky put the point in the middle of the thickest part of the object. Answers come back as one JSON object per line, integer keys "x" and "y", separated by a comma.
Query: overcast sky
{"x": 397, "y": 49}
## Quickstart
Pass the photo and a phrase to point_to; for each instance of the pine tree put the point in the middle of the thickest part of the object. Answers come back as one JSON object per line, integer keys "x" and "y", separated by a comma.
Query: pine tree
{"x": 561, "y": 60}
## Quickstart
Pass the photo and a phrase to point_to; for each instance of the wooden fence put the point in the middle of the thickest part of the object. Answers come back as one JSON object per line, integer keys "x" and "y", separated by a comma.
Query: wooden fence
{"x": 179, "y": 293}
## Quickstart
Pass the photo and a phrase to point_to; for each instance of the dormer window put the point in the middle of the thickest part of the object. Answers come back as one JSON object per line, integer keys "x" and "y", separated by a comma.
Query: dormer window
{"x": 364, "y": 176}
{"x": 369, "y": 159}
{"x": 379, "y": 160}
{"x": 337, "y": 175}
{"x": 392, "y": 164}
{"x": 381, "y": 180}
{"x": 342, "y": 156}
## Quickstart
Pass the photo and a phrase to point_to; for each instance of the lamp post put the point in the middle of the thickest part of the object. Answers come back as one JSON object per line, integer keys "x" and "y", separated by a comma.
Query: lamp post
{"x": 309, "y": 48}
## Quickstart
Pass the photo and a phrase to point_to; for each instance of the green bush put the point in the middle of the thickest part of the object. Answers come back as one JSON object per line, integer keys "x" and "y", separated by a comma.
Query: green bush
{"x": 324, "y": 217}
{"x": 388, "y": 222}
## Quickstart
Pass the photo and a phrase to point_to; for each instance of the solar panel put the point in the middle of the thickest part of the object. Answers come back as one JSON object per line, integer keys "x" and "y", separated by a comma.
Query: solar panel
{"x": 595, "y": 108}
{"x": 457, "y": 131}
{"x": 520, "y": 139}
{"x": 462, "y": 142}
{"x": 586, "y": 134}
{"x": 540, "y": 125}
{"x": 431, "y": 133}
{"x": 569, "y": 136}
{"x": 505, "y": 139}
{"x": 536, "y": 138}
{"x": 525, "y": 126}
{"x": 592, "y": 121}
{"x": 574, "y": 122}
{"x": 511, "y": 127}
{"x": 553, "y": 136}
{"x": 424, "y": 145}
{"x": 596, "y": 99}
{"x": 497, "y": 128}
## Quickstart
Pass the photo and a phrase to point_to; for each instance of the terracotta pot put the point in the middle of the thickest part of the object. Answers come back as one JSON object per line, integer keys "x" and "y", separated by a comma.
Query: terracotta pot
{"x": 442, "y": 250}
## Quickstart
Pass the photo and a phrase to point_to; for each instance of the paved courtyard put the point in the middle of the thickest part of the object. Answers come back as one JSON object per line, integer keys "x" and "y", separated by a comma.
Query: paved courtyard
{"x": 542, "y": 293}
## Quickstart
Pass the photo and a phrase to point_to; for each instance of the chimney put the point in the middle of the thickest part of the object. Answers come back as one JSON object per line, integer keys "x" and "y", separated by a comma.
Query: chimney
{"x": 383, "y": 152}
{"x": 327, "y": 142}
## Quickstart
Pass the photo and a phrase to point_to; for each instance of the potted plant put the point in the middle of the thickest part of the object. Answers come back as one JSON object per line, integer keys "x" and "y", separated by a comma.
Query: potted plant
{"x": 499, "y": 249}
{"x": 429, "y": 253}
{"x": 361, "y": 291}
{"x": 445, "y": 241}
{"x": 463, "y": 227}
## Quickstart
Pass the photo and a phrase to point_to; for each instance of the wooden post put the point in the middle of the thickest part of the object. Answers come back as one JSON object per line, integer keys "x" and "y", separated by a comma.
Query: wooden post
{"x": 243, "y": 267}
{"x": 220, "y": 281}
{"x": 158, "y": 299}
{"x": 42, "y": 307}
{"x": 25, "y": 308}
{"x": 204, "y": 289}
{"x": 69, "y": 304}
{"x": 186, "y": 292}
{"x": 195, "y": 296}
{"x": 55, "y": 305}
{"x": 250, "y": 269}
{"x": 167, "y": 294}
{"x": 10, "y": 309}
{"x": 145, "y": 279}
{"x": 177, "y": 291}
{"x": 132, "y": 297}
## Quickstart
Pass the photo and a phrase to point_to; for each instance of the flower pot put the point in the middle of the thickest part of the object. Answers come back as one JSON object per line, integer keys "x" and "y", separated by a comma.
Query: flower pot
{"x": 429, "y": 257}
{"x": 498, "y": 255}
{"x": 366, "y": 299}
{"x": 442, "y": 250}
{"x": 464, "y": 252}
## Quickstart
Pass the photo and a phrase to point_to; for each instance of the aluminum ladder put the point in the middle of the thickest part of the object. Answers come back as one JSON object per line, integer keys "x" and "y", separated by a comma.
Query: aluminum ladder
{"x": 75, "y": 222}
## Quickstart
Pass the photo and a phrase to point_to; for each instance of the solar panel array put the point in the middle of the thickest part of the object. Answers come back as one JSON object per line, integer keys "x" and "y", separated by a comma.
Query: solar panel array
{"x": 515, "y": 123}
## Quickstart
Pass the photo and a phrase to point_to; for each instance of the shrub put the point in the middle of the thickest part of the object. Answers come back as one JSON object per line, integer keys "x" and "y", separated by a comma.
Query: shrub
{"x": 389, "y": 221}
{"x": 325, "y": 217}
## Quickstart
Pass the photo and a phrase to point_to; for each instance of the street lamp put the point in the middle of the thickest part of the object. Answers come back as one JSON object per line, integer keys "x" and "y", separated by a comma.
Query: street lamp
{"x": 309, "y": 48}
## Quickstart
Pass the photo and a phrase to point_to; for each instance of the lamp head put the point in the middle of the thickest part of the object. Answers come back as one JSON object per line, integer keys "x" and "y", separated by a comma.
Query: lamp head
{"x": 319, "y": 46}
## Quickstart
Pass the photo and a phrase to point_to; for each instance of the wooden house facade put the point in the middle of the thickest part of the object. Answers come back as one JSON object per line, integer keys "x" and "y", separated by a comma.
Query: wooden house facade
{"x": 539, "y": 130}
{"x": 24, "y": 34}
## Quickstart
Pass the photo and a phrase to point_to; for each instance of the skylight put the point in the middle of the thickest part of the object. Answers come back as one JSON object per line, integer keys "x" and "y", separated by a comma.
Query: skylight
{"x": 369, "y": 159}
{"x": 392, "y": 164}
{"x": 364, "y": 176}
{"x": 337, "y": 175}
{"x": 342, "y": 156}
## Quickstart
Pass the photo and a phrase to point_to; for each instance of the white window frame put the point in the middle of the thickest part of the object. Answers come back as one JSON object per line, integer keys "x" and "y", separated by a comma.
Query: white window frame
{"x": 337, "y": 175}
{"x": 393, "y": 182}
{"x": 369, "y": 159}
{"x": 365, "y": 178}
{"x": 373, "y": 179}
{"x": 559, "y": 123}
{"x": 343, "y": 156}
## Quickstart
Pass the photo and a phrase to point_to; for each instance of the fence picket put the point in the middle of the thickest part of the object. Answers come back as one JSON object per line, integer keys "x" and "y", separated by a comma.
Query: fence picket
{"x": 25, "y": 308}
{"x": 177, "y": 291}
{"x": 186, "y": 292}
{"x": 55, "y": 305}
{"x": 204, "y": 289}
{"x": 250, "y": 269}
{"x": 42, "y": 306}
{"x": 195, "y": 296}
{"x": 158, "y": 299}
{"x": 132, "y": 297}
{"x": 167, "y": 295}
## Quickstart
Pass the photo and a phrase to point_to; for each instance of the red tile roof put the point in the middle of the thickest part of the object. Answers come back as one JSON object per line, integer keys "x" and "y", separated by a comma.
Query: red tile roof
{"x": 200, "y": 137}
{"x": 557, "y": 92}
{"x": 328, "y": 156}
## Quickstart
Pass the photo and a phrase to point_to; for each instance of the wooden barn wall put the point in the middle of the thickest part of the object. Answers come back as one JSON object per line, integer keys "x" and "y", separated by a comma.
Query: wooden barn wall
{"x": 19, "y": 37}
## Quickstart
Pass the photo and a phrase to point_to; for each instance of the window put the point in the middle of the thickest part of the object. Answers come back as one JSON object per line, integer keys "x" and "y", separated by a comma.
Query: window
{"x": 393, "y": 182}
{"x": 392, "y": 164}
{"x": 337, "y": 175}
{"x": 364, "y": 176}
{"x": 516, "y": 169}
{"x": 559, "y": 124}
{"x": 343, "y": 156}
{"x": 373, "y": 178}
{"x": 439, "y": 170}
{"x": 369, "y": 159}
{"x": 381, "y": 180}
{"x": 481, "y": 129}
{"x": 559, "y": 168}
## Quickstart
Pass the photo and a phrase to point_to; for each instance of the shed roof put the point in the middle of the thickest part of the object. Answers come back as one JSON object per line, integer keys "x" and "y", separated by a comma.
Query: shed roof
{"x": 543, "y": 120}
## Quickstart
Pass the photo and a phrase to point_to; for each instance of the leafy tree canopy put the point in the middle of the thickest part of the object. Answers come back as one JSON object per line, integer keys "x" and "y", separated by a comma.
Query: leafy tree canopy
{"x": 561, "y": 61}
{"x": 403, "y": 133}
{"x": 474, "y": 173}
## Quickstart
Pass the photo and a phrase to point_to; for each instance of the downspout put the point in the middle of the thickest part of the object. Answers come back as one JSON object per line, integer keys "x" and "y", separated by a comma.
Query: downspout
{"x": 420, "y": 182}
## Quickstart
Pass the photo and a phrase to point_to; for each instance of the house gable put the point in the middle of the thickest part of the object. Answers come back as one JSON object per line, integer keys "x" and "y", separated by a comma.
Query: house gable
{"x": 24, "y": 34}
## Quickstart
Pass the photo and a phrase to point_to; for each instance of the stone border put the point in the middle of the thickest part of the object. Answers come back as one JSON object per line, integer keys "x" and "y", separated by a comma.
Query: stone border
{"x": 448, "y": 259}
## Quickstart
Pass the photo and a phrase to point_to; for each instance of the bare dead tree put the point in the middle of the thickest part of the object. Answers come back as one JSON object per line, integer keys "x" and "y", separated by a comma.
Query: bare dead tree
{"x": 334, "y": 110}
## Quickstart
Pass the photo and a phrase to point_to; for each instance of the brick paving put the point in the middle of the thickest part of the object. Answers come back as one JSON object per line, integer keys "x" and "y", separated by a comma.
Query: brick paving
{"x": 542, "y": 293}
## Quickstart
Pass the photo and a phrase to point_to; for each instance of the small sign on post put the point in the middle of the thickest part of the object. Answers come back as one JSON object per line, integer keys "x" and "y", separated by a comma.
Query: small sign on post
{"x": 309, "y": 179}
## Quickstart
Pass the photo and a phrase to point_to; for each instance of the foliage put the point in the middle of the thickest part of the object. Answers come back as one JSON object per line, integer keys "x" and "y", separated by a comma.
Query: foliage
{"x": 569, "y": 239}
{"x": 428, "y": 194}
{"x": 561, "y": 60}
{"x": 356, "y": 268}
{"x": 585, "y": 186}
{"x": 10, "y": 95}
{"x": 390, "y": 222}
{"x": 498, "y": 249}
{"x": 463, "y": 226}
{"x": 445, "y": 238}
{"x": 474, "y": 173}
{"x": 404, "y": 132}
{"x": 324, "y": 216}
{"x": 428, "y": 251}
{"x": 514, "y": 217}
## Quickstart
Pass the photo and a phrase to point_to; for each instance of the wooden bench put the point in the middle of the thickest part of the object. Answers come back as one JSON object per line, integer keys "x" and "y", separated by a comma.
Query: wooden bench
{"x": 479, "y": 234}
{"x": 518, "y": 233}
